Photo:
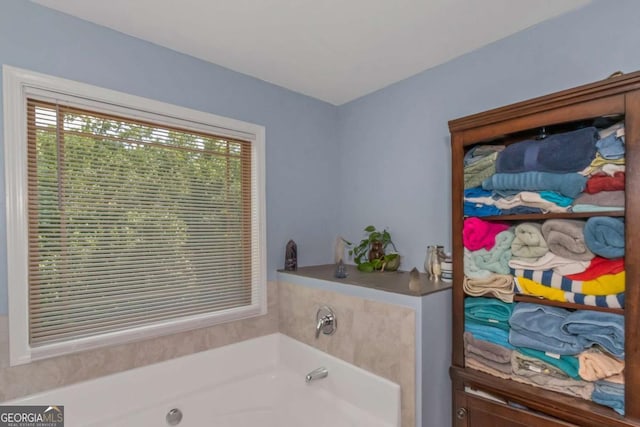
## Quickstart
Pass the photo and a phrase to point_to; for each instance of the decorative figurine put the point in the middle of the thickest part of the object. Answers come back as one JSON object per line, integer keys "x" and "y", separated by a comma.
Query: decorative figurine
{"x": 291, "y": 256}
{"x": 414, "y": 280}
{"x": 377, "y": 250}
{"x": 339, "y": 249}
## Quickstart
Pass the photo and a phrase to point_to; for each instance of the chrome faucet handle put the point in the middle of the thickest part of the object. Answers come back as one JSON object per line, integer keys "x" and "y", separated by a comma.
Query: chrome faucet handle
{"x": 325, "y": 321}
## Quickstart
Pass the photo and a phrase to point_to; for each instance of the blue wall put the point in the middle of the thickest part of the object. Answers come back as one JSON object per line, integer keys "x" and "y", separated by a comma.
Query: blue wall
{"x": 301, "y": 138}
{"x": 383, "y": 159}
{"x": 394, "y": 144}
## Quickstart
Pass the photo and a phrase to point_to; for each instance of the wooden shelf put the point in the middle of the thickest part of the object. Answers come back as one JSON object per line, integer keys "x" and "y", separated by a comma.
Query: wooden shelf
{"x": 537, "y": 300}
{"x": 560, "y": 112}
{"x": 575, "y": 410}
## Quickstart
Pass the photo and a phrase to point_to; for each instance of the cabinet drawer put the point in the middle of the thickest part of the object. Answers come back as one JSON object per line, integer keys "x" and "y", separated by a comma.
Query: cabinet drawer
{"x": 471, "y": 411}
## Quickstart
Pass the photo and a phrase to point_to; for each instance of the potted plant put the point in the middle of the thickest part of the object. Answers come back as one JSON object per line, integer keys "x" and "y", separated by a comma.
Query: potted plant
{"x": 369, "y": 255}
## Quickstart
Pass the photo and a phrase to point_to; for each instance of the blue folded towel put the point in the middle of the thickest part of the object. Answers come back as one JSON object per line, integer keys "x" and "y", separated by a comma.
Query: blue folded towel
{"x": 596, "y": 327}
{"x": 611, "y": 147}
{"x": 478, "y": 209}
{"x": 540, "y": 327}
{"x": 559, "y": 153}
{"x": 609, "y": 394}
{"x": 488, "y": 333}
{"x": 604, "y": 236}
{"x": 519, "y": 210}
{"x": 568, "y": 184}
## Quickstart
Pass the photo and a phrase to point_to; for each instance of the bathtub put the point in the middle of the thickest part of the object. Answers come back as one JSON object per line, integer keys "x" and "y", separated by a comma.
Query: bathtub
{"x": 258, "y": 382}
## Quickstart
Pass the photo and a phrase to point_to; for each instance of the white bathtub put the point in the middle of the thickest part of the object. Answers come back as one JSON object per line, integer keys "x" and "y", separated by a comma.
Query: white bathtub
{"x": 259, "y": 382}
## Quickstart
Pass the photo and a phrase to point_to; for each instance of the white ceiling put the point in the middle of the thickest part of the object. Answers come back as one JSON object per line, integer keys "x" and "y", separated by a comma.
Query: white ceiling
{"x": 334, "y": 50}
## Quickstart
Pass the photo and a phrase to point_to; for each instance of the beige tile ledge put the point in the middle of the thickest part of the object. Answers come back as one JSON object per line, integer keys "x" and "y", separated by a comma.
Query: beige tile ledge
{"x": 395, "y": 282}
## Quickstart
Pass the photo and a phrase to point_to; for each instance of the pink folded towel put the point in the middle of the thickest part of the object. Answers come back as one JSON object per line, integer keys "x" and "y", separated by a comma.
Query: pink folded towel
{"x": 478, "y": 234}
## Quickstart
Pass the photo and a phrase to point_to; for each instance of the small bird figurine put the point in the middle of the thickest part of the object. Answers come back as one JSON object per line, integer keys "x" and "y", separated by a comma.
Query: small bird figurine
{"x": 414, "y": 280}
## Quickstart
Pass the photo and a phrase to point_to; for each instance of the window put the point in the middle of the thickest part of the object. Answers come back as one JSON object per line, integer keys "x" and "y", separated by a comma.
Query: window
{"x": 126, "y": 217}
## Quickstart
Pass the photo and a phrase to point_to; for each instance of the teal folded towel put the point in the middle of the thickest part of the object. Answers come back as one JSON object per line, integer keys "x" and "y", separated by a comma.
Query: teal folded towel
{"x": 488, "y": 311}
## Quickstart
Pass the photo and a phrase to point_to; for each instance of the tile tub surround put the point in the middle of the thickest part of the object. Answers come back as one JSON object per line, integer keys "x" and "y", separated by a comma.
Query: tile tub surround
{"x": 46, "y": 374}
{"x": 375, "y": 336}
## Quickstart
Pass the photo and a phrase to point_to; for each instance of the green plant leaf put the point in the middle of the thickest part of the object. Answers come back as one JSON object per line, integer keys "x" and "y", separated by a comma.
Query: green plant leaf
{"x": 366, "y": 267}
{"x": 370, "y": 228}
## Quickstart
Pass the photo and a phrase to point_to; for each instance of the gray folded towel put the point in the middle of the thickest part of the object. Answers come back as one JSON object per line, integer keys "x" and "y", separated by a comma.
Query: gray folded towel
{"x": 533, "y": 371}
{"x": 565, "y": 237}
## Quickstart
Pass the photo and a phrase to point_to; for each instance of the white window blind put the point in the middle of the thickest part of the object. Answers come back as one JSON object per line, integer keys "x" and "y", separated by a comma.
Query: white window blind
{"x": 131, "y": 223}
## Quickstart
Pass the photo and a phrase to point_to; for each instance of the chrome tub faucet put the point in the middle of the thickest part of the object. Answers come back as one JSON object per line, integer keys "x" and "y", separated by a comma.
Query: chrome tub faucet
{"x": 316, "y": 374}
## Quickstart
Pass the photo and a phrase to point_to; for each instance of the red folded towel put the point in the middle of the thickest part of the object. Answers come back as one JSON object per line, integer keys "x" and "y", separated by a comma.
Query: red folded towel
{"x": 478, "y": 234}
{"x": 599, "y": 267}
{"x": 603, "y": 182}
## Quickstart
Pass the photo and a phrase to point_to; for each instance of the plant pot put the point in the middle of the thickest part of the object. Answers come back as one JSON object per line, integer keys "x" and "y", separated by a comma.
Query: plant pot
{"x": 392, "y": 263}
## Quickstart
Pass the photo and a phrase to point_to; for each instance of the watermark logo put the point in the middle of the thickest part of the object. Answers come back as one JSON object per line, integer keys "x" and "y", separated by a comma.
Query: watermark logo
{"x": 32, "y": 416}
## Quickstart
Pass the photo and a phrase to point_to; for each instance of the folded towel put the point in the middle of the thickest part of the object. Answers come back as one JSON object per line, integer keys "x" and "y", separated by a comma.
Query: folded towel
{"x": 471, "y": 270}
{"x": 617, "y": 128}
{"x": 568, "y": 184}
{"x": 598, "y": 267}
{"x": 603, "y": 285}
{"x": 488, "y": 333}
{"x": 480, "y": 209}
{"x": 528, "y": 241}
{"x": 540, "y": 327}
{"x": 559, "y": 153}
{"x": 520, "y": 210}
{"x": 604, "y": 236}
{"x": 473, "y": 363}
{"x": 497, "y": 259}
{"x": 610, "y": 169}
{"x": 528, "y": 199}
{"x": 550, "y": 261}
{"x": 609, "y": 394}
{"x": 556, "y": 198}
{"x": 479, "y": 152}
{"x": 598, "y": 163}
{"x": 478, "y": 234}
{"x": 530, "y": 287}
{"x": 565, "y": 237}
{"x": 488, "y": 311}
{"x": 596, "y": 327}
{"x": 614, "y": 199}
{"x": 530, "y": 370}
{"x": 490, "y": 354}
{"x": 611, "y": 147}
{"x": 593, "y": 208}
{"x": 567, "y": 364}
{"x": 595, "y": 364}
{"x": 603, "y": 182}
{"x": 480, "y": 170}
{"x": 499, "y": 285}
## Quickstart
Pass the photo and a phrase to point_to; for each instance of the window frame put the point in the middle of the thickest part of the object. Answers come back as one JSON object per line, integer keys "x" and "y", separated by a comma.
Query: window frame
{"x": 18, "y": 85}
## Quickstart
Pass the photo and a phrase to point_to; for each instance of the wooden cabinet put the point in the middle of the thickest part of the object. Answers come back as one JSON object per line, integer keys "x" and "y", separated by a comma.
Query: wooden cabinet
{"x": 616, "y": 97}
{"x": 474, "y": 411}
